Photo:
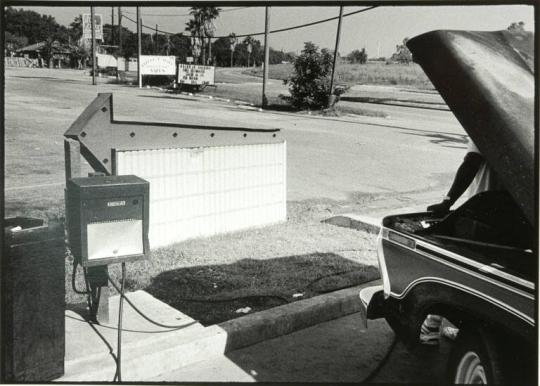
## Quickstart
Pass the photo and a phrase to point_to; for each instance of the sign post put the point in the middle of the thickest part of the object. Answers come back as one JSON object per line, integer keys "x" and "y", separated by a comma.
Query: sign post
{"x": 120, "y": 29}
{"x": 139, "y": 47}
{"x": 93, "y": 32}
{"x": 266, "y": 55}
{"x": 331, "y": 97}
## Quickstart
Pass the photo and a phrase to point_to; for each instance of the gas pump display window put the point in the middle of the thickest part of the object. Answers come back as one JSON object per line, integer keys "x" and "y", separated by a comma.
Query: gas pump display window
{"x": 118, "y": 238}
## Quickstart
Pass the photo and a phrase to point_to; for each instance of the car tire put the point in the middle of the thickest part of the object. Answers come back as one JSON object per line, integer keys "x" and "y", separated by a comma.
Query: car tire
{"x": 403, "y": 331}
{"x": 476, "y": 359}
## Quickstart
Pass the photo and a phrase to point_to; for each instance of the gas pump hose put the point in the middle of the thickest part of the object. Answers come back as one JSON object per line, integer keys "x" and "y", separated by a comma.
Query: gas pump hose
{"x": 172, "y": 327}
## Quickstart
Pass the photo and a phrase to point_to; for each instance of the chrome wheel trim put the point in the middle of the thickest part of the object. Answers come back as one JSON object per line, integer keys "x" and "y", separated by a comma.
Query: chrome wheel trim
{"x": 470, "y": 370}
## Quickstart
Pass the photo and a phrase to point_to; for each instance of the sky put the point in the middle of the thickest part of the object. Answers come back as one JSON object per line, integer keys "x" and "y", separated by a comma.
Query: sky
{"x": 378, "y": 30}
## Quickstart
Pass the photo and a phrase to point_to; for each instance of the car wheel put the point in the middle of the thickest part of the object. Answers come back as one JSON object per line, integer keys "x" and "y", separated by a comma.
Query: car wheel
{"x": 403, "y": 331}
{"x": 475, "y": 359}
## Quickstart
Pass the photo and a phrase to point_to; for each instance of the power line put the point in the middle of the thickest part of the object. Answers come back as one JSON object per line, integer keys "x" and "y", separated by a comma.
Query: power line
{"x": 262, "y": 33}
{"x": 185, "y": 14}
{"x": 313, "y": 23}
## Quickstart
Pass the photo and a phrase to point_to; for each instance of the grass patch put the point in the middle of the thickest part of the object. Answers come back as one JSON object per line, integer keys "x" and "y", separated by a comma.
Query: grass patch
{"x": 210, "y": 278}
{"x": 369, "y": 73}
{"x": 356, "y": 110}
{"x": 246, "y": 93}
{"x": 213, "y": 293}
{"x": 275, "y": 71}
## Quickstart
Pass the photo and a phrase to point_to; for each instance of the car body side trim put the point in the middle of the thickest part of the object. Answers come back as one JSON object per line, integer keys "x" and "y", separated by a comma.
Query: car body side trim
{"x": 467, "y": 289}
{"x": 477, "y": 275}
{"x": 469, "y": 262}
{"x": 479, "y": 266}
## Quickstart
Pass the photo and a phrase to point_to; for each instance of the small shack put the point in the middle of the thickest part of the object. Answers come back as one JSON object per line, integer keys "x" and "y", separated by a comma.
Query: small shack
{"x": 52, "y": 55}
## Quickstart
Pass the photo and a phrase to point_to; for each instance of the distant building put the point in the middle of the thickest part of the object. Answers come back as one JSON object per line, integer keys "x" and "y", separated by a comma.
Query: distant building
{"x": 55, "y": 56}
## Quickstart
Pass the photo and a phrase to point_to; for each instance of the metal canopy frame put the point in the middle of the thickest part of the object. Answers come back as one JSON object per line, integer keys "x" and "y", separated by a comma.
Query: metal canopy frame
{"x": 100, "y": 135}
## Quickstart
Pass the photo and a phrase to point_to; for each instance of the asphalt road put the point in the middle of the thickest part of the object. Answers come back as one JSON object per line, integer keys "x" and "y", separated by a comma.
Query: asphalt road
{"x": 329, "y": 158}
{"x": 332, "y": 352}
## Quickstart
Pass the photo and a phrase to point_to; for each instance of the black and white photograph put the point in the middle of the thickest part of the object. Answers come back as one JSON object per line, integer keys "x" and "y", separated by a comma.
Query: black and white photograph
{"x": 284, "y": 192}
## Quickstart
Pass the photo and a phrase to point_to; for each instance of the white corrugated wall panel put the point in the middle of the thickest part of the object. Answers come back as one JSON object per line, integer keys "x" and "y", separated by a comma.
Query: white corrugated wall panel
{"x": 205, "y": 191}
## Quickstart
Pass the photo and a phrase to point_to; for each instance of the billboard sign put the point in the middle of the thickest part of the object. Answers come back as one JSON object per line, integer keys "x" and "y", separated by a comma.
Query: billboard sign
{"x": 195, "y": 74}
{"x": 87, "y": 26}
{"x": 158, "y": 65}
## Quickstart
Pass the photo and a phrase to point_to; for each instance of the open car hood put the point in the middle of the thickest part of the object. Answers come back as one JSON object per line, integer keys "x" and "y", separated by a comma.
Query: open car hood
{"x": 487, "y": 80}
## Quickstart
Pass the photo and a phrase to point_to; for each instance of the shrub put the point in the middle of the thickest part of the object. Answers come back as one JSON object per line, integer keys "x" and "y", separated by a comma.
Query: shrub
{"x": 310, "y": 83}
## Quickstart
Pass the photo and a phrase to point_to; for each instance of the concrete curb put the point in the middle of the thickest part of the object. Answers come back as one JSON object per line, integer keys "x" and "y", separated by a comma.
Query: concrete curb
{"x": 150, "y": 350}
{"x": 282, "y": 320}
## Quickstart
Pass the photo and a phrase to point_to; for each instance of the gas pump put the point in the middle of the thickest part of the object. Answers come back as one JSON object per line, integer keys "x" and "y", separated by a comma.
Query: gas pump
{"x": 107, "y": 223}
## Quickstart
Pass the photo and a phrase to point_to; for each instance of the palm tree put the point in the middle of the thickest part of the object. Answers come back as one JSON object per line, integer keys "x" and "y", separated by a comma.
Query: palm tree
{"x": 194, "y": 29}
{"x": 249, "y": 41}
{"x": 202, "y": 26}
{"x": 210, "y": 14}
{"x": 233, "y": 41}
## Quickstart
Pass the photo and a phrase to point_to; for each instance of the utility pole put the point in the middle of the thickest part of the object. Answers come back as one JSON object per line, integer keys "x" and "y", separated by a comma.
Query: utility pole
{"x": 112, "y": 26}
{"x": 266, "y": 55}
{"x": 93, "y": 28}
{"x": 156, "y": 41}
{"x": 120, "y": 29}
{"x": 209, "y": 50}
{"x": 139, "y": 45}
{"x": 331, "y": 97}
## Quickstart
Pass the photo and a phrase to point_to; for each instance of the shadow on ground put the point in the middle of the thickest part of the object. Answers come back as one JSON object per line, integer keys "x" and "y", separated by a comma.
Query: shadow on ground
{"x": 398, "y": 102}
{"x": 444, "y": 139}
{"x": 214, "y": 293}
{"x": 168, "y": 97}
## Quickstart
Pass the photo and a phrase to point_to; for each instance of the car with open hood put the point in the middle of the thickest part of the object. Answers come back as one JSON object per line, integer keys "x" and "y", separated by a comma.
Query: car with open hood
{"x": 477, "y": 265}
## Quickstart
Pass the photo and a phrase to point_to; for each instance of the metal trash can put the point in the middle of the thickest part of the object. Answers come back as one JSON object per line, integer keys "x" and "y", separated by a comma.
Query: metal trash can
{"x": 34, "y": 300}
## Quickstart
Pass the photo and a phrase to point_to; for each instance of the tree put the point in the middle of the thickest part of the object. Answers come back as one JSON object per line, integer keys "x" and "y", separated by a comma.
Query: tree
{"x": 357, "y": 56}
{"x": 402, "y": 54}
{"x": 179, "y": 46}
{"x": 196, "y": 41}
{"x": 277, "y": 57}
{"x": 242, "y": 56}
{"x": 222, "y": 51}
{"x": 35, "y": 27}
{"x": 233, "y": 41}
{"x": 209, "y": 15}
{"x": 75, "y": 29}
{"x": 14, "y": 42}
{"x": 201, "y": 28}
{"x": 310, "y": 83}
{"x": 249, "y": 42}
{"x": 517, "y": 27}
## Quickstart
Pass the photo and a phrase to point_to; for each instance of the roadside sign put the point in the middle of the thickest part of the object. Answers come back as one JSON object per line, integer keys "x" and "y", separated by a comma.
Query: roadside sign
{"x": 189, "y": 59}
{"x": 104, "y": 61}
{"x": 195, "y": 74}
{"x": 87, "y": 26}
{"x": 158, "y": 65}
